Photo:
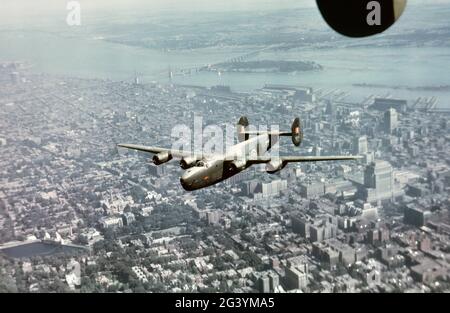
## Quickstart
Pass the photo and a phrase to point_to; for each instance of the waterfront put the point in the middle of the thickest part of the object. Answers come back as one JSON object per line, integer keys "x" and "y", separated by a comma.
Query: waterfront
{"x": 116, "y": 50}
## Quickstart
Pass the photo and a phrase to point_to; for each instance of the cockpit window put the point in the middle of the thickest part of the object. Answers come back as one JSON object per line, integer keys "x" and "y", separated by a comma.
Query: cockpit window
{"x": 202, "y": 164}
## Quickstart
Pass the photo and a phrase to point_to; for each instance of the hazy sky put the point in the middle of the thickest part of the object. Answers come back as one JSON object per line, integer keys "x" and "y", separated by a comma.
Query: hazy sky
{"x": 20, "y": 6}
{"x": 20, "y": 10}
{"x": 17, "y": 6}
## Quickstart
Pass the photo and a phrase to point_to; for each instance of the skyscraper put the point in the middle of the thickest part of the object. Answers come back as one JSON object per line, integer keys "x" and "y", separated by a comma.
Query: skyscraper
{"x": 136, "y": 78}
{"x": 317, "y": 150}
{"x": 416, "y": 216}
{"x": 390, "y": 121}
{"x": 301, "y": 225}
{"x": 264, "y": 284}
{"x": 379, "y": 181}
{"x": 360, "y": 145}
{"x": 296, "y": 276}
{"x": 330, "y": 109}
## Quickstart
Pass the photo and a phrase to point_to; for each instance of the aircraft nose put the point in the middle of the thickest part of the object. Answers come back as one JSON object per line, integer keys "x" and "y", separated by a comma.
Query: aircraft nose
{"x": 185, "y": 183}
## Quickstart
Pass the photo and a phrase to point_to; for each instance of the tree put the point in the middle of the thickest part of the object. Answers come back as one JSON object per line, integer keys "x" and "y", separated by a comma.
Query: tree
{"x": 139, "y": 289}
{"x": 7, "y": 284}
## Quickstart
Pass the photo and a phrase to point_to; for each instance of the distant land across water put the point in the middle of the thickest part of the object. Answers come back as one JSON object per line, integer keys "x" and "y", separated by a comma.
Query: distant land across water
{"x": 383, "y": 67}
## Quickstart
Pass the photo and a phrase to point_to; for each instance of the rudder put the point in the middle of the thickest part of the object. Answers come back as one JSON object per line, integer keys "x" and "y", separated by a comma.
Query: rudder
{"x": 242, "y": 128}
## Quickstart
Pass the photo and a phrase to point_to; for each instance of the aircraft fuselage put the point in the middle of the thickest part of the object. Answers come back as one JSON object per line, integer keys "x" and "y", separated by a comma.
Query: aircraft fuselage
{"x": 216, "y": 169}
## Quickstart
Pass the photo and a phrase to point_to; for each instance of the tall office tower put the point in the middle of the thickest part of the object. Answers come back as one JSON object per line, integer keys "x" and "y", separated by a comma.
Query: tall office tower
{"x": 379, "y": 177}
{"x": 416, "y": 216}
{"x": 264, "y": 284}
{"x": 274, "y": 280}
{"x": 170, "y": 74}
{"x": 317, "y": 150}
{"x": 333, "y": 137}
{"x": 156, "y": 171}
{"x": 296, "y": 275}
{"x": 360, "y": 145}
{"x": 301, "y": 225}
{"x": 390, "y": 121}
{"x": 330, "y": 109}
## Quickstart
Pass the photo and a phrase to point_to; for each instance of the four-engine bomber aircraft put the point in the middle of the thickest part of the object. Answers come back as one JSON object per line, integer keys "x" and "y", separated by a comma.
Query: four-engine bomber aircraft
{"x": 204, "y": 170}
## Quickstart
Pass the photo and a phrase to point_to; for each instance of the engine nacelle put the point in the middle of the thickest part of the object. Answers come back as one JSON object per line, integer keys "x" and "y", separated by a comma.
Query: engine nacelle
{"x": 161, "y": 158}
{"x": 274, "y": 166}
{"x": 297, "y": 132}
{"x": 188, "y": 162}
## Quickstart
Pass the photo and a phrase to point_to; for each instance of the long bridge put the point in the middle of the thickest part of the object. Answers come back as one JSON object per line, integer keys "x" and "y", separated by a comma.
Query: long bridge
{"x": 240, "y": 58}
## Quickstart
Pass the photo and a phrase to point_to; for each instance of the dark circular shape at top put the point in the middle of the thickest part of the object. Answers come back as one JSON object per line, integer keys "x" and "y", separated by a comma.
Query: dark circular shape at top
{"x": 361, "y": 18}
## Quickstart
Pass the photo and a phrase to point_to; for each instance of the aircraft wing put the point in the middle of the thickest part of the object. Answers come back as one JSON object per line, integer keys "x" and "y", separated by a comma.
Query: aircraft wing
{"x": 291, "y": 159}
{"x": 156, "y": 150}
{"x": 319, "y": 158}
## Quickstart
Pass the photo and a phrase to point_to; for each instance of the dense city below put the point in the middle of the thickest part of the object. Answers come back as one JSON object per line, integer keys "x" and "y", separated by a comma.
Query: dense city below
{"x": 77, "y": 214}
